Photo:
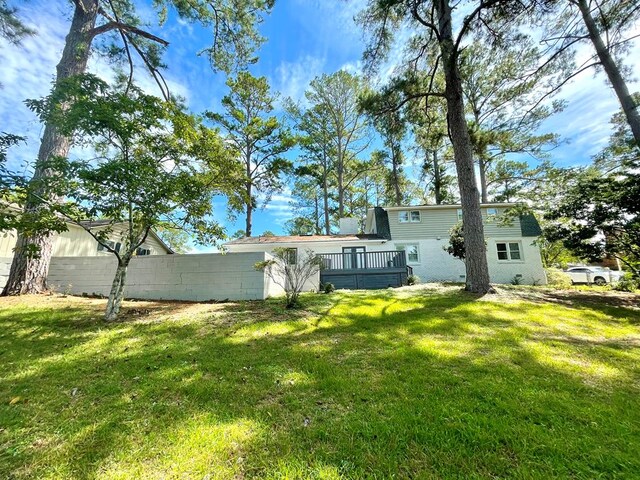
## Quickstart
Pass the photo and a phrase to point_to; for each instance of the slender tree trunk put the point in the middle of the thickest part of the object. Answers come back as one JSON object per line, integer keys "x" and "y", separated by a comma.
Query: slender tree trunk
{"x": 29, "y": 275}
{"x": 325, "y": 195}
{"x": 437, "y": 178}
{"x": 396, "y": 180}
{"x": 477, "y": 269}
{"x": 613, "y": 71}
{"x": 340, "y": 175}
{"x": 116, "y": 294}
{"x": 482, "y": 168}
{"x": 249, "y": 219}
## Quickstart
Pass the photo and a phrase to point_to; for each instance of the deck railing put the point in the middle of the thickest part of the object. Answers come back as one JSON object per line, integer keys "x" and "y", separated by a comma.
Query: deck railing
{"x": 363, "y": 260}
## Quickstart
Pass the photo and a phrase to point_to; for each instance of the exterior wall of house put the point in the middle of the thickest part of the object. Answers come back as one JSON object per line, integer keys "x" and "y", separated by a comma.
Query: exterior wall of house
{"x": 169, "y": 277}
{"x": 436, "y": 265}
{"x": 437, "y": 222}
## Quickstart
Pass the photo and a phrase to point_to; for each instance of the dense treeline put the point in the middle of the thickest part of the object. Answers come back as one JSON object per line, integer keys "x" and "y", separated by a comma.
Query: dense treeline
{"x": 459, "y": 119}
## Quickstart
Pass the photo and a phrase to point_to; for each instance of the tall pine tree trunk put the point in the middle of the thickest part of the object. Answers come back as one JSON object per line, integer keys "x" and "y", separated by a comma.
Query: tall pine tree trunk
{"x": 249, "y": 219}
{"x": 612, "y": 70}
{"x": 437, "y": 178}
{"x": 396, "y": 177}
{"x": 482, "y": 169}
{"x": 325, "y": 195}
{"x": 116, "y": 295}
{"x": 475, "y": 250}
{"x": 29, "y": 275}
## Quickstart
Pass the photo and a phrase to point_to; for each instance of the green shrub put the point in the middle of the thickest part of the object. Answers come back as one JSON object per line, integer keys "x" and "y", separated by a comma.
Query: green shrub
{"x": 558, "y": 278}
{"x": 413, "y": 280}
{"x": 516, "y": 280}
{"x": 626, "y": 284}
{"x": 327, "y": 287}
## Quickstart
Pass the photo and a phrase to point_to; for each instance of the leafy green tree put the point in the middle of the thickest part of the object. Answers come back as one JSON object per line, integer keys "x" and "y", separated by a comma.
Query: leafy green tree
{"x": 432, "y": 25}
{"x": 115, "y": 28}
{"x": 145, "y": 175}
{"x": 258, "y": 139}
{"x": 335, "y": 109}
{"x": 608, "y": 26}
{"x": 502, "y": 97}
{"x": 599, "y": 214}
{"x": 176, "y": 238}
{"x": 300, "y": 226}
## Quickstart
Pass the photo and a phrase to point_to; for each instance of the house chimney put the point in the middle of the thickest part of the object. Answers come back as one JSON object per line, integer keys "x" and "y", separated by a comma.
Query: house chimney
{"x": 349, "y": 226}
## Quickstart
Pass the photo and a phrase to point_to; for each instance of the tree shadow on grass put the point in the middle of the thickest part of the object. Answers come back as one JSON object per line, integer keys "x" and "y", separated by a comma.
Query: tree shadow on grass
{"x": 439, "y": 386}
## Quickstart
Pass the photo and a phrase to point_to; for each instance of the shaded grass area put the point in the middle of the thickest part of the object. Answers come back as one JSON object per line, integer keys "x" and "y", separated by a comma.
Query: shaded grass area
{"x": 415, "y": 383}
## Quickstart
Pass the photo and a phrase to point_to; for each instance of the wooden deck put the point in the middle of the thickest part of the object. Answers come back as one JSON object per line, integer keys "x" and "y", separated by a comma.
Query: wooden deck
{"x": 365, "y": 270}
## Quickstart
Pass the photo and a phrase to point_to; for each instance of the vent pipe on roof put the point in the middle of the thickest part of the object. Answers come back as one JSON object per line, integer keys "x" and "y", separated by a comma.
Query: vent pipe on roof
{"x": 349, "y": 226}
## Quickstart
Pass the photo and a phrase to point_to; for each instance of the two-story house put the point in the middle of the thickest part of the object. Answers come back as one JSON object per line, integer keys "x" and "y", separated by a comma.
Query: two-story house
{"x": 399, "y": 241}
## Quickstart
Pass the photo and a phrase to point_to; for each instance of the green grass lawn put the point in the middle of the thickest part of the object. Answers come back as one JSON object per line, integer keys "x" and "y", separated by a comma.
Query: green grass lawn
{"x": 411, "y": 383}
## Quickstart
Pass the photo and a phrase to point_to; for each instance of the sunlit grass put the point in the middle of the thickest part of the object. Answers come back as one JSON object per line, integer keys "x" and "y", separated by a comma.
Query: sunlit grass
{"x": 415, "y": 383}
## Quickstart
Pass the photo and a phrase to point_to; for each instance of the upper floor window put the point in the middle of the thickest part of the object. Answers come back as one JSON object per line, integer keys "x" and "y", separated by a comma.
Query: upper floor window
{"x": 492, "y": 213}
{"x": 143, "y": 251}
{"x": 459, "y": 214}
{"x": 409, "y": 216}
{"x": 509, "y": 251}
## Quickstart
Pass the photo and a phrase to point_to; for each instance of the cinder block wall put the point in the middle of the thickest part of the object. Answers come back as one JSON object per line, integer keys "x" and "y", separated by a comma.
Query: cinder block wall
{"x": 168, "y": 277}
{"x": 5, "y": 266}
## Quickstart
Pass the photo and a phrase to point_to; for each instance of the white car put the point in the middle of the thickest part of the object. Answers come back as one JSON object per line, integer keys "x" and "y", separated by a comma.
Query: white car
{"x": 597, "y": 275}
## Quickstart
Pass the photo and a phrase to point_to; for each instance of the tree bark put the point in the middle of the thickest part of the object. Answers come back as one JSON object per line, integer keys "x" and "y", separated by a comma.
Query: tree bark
{"x": 249, "y": 219}
{"x": 482, "y": 169}
{"x": 29, "y": 275}
{"x": 325, "y": 194}
{"x": 396, "y": 179}
{"x": 613, "y": 72}
{"x": 437, "y": 179}
{"x": 116, "y": 294}
{"x": 477, "y": 279}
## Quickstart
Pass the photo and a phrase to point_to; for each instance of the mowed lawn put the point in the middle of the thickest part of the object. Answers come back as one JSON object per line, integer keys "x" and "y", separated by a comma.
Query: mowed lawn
{"x": 411, "y": 383}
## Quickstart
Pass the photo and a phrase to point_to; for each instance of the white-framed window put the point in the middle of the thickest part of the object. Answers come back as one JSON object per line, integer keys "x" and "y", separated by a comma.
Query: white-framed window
{"x": 115, "y": 246}
{"x": 459, "y": 214}
{"x": 509, "y": 251}
{"x": 412, "y": 252}
{"x": 291, "y": 256}
{"x": 492, "y": 214}
{"x": 409, "y": 216}
{"x": 140, "y": 251}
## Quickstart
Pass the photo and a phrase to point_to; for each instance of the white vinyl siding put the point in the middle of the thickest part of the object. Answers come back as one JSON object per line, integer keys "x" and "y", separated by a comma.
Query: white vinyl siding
{"x": 437, "y": 222}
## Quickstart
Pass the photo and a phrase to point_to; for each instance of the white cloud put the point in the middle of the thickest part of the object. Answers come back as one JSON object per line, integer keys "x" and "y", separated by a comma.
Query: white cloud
{"x": 291, "y": 79}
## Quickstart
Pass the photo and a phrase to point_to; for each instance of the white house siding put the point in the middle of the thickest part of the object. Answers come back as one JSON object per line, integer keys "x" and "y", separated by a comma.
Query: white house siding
{"x": 76, "y": 242}
{"x": 168, "y": 277}
{"x": 437, "y": 222}
{"x": 436, "y": 265}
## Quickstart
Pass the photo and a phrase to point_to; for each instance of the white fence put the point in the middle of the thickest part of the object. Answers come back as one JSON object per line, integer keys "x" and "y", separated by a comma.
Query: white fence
{"x": 168, "y": 277}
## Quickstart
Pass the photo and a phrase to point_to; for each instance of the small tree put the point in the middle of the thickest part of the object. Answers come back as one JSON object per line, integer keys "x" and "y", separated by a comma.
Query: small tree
{"x": 144, "y": 175}
{"x": 456, "y": 242}
{"x": 289, "y": 272}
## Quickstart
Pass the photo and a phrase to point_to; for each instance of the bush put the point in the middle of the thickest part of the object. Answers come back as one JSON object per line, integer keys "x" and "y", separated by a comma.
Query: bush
{"x": 327, "y": 287}
{"x": 413, "y": 280}
{"x": 516, "y": 280}
{"x": 626, "y": 284}
{"x": 558, "y": 278}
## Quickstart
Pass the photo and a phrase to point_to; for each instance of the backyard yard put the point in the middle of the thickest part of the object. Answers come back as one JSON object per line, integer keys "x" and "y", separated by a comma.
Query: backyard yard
{"x": 423, "y": 382}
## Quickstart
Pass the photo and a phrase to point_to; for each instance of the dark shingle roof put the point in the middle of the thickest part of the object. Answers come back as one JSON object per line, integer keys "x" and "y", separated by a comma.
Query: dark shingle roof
{"x": 529, "y": 226}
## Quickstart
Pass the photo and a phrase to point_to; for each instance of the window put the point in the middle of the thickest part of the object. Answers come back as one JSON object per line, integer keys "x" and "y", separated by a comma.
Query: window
{"x": 459, "y": 214}
{"x": 143, "y": 251}
{"x": 492, "y": 213}
{"x": 508, "y": 251}
{"x": 115, "y": 246}
{"x": 412, "y": 252}
{"x": 291, "y": 256}
{"x": 406, "y": 216}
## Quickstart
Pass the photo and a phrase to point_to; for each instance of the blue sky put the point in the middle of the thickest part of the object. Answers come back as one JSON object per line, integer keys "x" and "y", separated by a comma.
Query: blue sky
{"x": 305, "y": 38}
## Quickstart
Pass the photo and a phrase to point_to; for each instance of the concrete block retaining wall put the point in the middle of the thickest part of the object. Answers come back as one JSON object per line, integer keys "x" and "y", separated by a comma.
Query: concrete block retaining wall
{"x": 168, "y": 277}
{"x": 5, "y": 266}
